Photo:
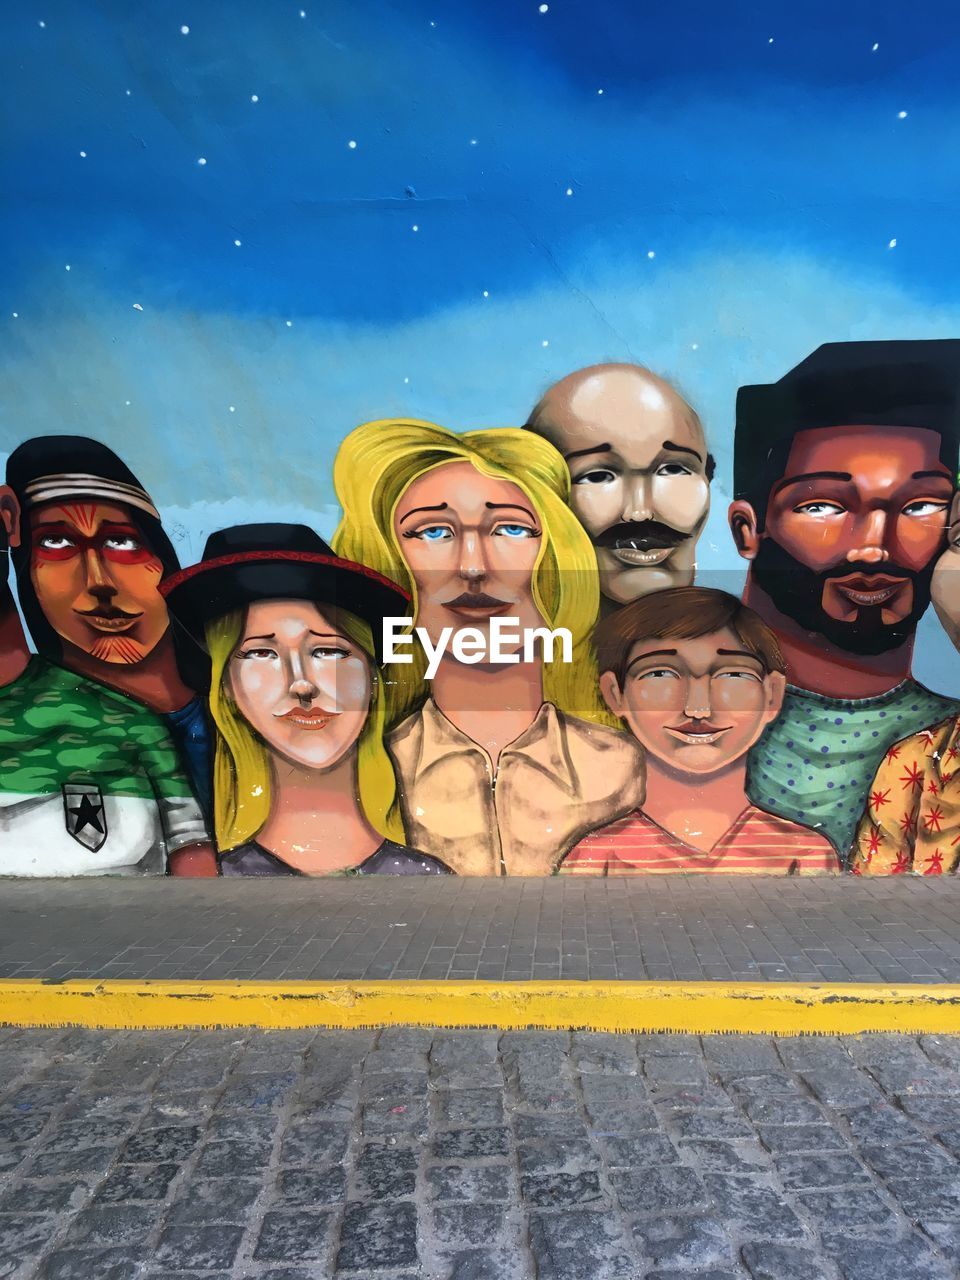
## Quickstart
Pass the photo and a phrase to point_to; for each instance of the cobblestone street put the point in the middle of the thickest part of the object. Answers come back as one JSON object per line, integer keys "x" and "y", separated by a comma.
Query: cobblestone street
{"x": 477, "y": 1156}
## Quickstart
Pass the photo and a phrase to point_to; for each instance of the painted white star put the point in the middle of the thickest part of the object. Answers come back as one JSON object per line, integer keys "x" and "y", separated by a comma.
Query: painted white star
{"x": 137, "y": 306}
{"x": 128, "y": 92}
{"x": 473, "y": 142}
{"x": 303, "y": 13}
{"x": 415, "y": 227}
{"x": 16, "y": 315}
{"x": 352, "y": 144}
{"x": 254, "y": 97}
{"x": 41, "y": 23}
{"x": 67, "y": 267}
{"x": 901, "y": 115}
{"x": 237, "y": 243}
{"x": 599, "y": 93}
{"x": 770, "y": 41}
{"x": 545, "y": 342}
{"x": 83, "y": 155}
{"x": 201, "y": 160}
{"x": 486, "y": 293}
{"x": 184, "y": 30}
{"x": 875, "y": 48}
{"x": 289, "y": 324}
{"x": 406, "y": 379}
{"x": 694, "y": 346}
{"x": 127, "y": 403}
{"x": 544, "y": 8}
{"x": 892, "y": 244}
{"x": 651, "y": 254}
{"x": 233, "y": 408}
{"x": 569, "y": 191}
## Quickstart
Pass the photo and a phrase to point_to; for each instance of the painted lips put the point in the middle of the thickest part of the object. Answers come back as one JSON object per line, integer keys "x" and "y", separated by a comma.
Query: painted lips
{"x": 696, "y": 734}
{"x": 476, "y": 605}
{"x": 869, "y": 590}
{"x": 109, "y": 619}
{"x": 308, "y": 718}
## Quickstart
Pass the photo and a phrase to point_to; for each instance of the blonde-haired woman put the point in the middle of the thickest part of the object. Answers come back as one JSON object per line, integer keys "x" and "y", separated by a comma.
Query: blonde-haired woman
{"x": 503, "y": 765}
{"x": 302, "y": 782}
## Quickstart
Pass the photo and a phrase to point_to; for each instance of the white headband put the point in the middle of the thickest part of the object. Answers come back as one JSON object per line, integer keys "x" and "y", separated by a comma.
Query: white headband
{"x": 73, "y": 486}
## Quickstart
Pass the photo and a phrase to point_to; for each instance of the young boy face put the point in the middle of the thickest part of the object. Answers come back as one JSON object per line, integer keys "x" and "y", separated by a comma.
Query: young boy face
{"x": 696, "y": 706}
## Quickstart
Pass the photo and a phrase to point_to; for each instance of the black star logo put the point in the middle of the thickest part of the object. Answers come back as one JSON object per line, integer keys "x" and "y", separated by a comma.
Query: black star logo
{"x": 87, "y": 814}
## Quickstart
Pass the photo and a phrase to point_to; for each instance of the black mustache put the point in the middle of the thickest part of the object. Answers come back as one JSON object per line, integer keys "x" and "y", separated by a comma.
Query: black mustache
{"x": 886, "y": 570}
{"x": 474, "y": 600}
{"x": 640, "y": 535}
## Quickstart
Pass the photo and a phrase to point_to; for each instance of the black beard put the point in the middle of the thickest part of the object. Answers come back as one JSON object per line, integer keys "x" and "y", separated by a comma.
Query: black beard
{"x": 797, "y": 592}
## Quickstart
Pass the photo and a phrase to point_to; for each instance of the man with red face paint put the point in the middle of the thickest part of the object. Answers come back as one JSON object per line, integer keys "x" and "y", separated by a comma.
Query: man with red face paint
{"x": 89, "y": 551}
{"x": 844, "y": 472}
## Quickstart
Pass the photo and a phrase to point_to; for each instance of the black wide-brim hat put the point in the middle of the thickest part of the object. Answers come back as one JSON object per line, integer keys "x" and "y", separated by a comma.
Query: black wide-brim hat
{"x": 251, "y": 562}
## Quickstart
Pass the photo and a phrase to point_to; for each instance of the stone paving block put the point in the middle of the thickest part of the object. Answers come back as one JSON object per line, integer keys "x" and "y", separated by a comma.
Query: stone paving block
{"x": 660, "y": 1190}
{"x": 911, "y": 1160}
{"x": 137, "y": 1182}
{"x": 294, "y": 1236}
{"x": 471, "y": 1144}
{"x": 741, "y": 1053}
{"x": 934, "y": 1197}
{"x": 560, "y": 1190}
{"x": 881, "y": 1123}
{"x": 232, "y": 1159}
{"x": 760, "y": 1210}
{"x": 599, "y": 1052}
{"x": 581, "y": 1245}
{"x": 907, "y": 1259}
{"x": 199, "y": 1246}
{"x": 470, "y": 1106}
{"x": 309, "y": 1187}
{"x": 157, "y": 1146}
{"x": 571, "y": 1155}
{"x": 766, "y": 1110}
{"x": 115, "y": 1224}
{"x": 385, "y": 1173}
{"x": 673, "y": 1241}
{"x": 728, "y": 1157}
{"x": 675, "y": 1070}
{"x": 832, "y": 1169}
{"x": 84, "y": 1264}
{"x": 703, "y": 1124}
{"x": 373, "y": 1236}
{"x": 313, "y": 1142}
{"x": 766, "y": 1261}
{"x": 800, "y": 1137}
{"x": 390, "y": 1116}
{"x": 859, "y": 1211}
{"x": 527, "y": 1127}
{"x": 203, "y": 1200}
{"x": 460, "y": 1226}
{"x": 469, "y": 1183}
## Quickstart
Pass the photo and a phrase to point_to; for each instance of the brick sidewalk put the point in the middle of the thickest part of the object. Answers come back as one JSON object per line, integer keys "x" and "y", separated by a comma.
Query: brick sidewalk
{"x": 891, "y": 930}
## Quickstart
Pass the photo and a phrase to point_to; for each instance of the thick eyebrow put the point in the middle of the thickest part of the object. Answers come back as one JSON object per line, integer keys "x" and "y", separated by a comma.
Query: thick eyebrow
{"x": 926, "y": 475}
{"x": 271, "y": 636}
{"x": 738, "y": 653}
{"x": 441, "y": 506}
{"x": 582, "y": 453}
{"x": 814, "y": 475}
{"x": 509, "y": 506}
{"x": 651, "y": 653}
{"x": 329, "y": 635}
{"x": 680, "y": 448}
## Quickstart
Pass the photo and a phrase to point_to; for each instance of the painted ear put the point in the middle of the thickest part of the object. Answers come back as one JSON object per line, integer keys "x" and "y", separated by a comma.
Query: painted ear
{"x": 610, "y": 691}
{"x": 10, "y": 515}
{"x": 745, "y": 528}
{"x": 776, "y": 685}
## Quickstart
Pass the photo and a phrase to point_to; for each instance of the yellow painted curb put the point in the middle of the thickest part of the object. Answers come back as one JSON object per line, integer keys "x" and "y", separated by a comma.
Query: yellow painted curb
{"x": 766, "y": 1008}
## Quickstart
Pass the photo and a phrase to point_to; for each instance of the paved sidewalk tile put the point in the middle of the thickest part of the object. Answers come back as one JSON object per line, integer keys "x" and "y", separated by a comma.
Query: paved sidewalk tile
{"x": 844, "y": 929}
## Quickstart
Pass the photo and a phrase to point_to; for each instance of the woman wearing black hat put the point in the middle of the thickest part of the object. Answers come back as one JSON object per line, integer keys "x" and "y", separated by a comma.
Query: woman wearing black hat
{"x": 302, "y": 782}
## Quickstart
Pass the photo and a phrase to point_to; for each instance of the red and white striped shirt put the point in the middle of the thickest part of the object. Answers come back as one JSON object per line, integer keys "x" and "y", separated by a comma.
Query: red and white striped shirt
{"x": 758, "y": 843}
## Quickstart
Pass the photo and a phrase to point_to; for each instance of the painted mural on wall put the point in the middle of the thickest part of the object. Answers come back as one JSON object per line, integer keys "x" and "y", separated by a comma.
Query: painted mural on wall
{"x": 309, "y": 647}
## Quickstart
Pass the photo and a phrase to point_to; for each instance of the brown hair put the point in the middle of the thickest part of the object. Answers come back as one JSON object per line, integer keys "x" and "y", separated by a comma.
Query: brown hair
{"x": 682, "y": 613}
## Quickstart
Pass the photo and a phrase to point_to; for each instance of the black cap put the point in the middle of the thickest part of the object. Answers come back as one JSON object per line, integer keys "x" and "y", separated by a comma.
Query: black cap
{"x": 251, "y": 562}
{"x": 914, "y": 383}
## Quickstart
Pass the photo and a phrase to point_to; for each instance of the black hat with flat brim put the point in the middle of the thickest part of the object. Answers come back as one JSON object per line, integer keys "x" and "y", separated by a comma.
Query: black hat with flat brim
{"x": 251, "y": 562}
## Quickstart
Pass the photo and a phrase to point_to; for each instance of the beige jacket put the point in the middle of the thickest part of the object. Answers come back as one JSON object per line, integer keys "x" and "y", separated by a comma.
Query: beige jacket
{"x": 560, "y": 779}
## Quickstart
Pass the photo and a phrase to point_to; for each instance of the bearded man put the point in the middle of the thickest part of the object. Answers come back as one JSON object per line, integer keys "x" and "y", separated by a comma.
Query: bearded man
{"x": 844, "y": 473}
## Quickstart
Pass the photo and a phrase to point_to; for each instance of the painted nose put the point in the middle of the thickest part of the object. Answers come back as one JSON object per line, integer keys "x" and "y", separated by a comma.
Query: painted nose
{"x": 872, "y": 539}
{"x": 99, "y": 583}
{"x": 637, "y": 503}
{"x": 697, "y": 705}
{"x": 301, "y": 688}
{"x": 473, "y": 566}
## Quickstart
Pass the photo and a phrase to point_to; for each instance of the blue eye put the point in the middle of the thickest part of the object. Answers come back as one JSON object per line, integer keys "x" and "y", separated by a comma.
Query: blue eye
{"x": 516, "y": 531}
{"x": 434, "y": 533}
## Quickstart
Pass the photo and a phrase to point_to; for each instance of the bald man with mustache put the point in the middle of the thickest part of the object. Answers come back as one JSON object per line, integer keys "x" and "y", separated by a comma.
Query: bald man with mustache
{"x": 640, "y": 473}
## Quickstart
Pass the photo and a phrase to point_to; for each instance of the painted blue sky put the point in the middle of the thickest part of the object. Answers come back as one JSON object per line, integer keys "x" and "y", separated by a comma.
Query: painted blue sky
{"x": 712, "y": 190}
